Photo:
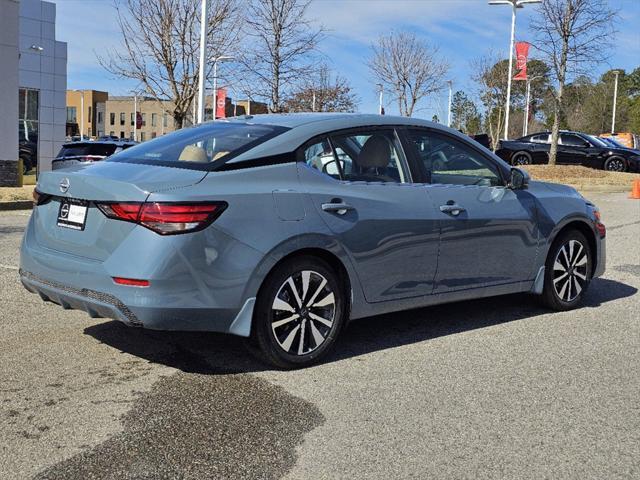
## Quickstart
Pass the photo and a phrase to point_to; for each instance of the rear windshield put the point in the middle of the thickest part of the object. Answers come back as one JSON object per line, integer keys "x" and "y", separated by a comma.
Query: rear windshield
{"x": 202, "y": 147}
{"x": 83, "y": 149}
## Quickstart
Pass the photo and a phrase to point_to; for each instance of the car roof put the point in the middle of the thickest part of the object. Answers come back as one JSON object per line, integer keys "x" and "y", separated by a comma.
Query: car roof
{"x": 293, "y": 120}
{"x": 304, "y": 126}
{"x": 98, "y": 142}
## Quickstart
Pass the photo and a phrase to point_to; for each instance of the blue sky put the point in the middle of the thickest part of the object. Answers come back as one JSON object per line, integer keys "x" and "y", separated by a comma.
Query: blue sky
{"x": 462, "y": 29}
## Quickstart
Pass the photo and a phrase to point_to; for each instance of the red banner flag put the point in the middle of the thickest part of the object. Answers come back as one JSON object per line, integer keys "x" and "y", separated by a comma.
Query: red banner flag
{"x": 522, "y": 51}
{"x": 221, "y": 103}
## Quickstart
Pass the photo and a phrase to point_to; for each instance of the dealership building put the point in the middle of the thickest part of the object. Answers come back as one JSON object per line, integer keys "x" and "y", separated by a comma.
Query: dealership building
{"x": 33, "y": 86}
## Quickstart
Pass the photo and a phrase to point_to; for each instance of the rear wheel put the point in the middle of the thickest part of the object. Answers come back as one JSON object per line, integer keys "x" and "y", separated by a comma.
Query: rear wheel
{"x": 299, "y": 313}
{"x": 568, "y": 271}
{"x": 615, "y": 164}
{"x": 521, "y": 158}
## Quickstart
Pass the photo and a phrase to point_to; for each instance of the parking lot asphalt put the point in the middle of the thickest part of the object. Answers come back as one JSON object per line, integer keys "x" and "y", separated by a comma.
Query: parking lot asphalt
{"x": 494, "y": 388}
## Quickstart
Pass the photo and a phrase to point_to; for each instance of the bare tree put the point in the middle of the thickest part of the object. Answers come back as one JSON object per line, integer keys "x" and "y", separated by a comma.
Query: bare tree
{"x": 572, "y": 35}
{"x": 408, "y": 67}
{"x": 280, "y": 40}
{"x": 323, "y": 92}
{"x": 490, "y": 75}
{"x": 160, "y": 46}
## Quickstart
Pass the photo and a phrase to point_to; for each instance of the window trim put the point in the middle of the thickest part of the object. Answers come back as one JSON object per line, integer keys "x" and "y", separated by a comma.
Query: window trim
{"x": 425, "y": 178}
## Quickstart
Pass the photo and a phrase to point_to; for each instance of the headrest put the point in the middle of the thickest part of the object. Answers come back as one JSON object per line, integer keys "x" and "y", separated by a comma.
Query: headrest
{"x": 375, "y": 153}
{"x": 192, "y": 153}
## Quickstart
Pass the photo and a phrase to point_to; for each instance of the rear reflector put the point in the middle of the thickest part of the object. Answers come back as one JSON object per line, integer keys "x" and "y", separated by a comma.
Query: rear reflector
{"x": 132, "y": 282}
{"x": 165, "y": 218}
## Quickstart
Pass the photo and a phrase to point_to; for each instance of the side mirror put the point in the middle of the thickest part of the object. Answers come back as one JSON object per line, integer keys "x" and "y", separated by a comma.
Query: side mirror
{"x": 519, "y": 179}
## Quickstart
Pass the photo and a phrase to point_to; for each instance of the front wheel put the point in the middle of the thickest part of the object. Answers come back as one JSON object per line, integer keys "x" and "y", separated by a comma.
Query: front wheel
{"x": 615, "y": 164}
{"x": 299, "y": 313}
{"x": 568, "y": 271}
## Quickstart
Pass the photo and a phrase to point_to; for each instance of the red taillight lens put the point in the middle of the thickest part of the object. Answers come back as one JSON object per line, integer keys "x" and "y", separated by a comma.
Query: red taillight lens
{"x": 165, "y": 218}
{"x": 121, "y": 211}
{"x": 131, "y": 282}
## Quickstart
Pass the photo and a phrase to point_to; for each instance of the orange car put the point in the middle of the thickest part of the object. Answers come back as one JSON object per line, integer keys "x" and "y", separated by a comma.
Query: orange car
{"x": 627, "y": 139}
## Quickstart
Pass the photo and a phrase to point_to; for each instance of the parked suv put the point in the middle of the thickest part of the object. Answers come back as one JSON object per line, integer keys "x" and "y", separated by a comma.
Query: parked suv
{"x": 74, "y": 153}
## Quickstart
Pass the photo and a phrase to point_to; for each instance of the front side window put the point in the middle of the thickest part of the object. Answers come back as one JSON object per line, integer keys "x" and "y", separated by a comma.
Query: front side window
{"x": 373, "y": 156}
{"x": 447, "y": 160}
{"x": 197, "y": 147}
{"x": 571, "y": 140}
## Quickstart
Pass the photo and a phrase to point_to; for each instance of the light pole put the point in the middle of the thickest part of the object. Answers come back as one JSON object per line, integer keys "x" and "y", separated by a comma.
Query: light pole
{"x": 381, "y": 88}
{"x": 204, "y": 21}
{"x": 515, "y": 4}
{"x": 525, "y": 127}
{"x": 450, "y": 101}
{"x": 221, "y": 58}
{"x": 615, "y": 100}
{"x": 81, "y": 115}
{"x": 135, "y": 117}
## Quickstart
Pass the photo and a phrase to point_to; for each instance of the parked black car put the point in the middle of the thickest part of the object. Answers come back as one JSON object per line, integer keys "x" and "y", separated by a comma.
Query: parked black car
{"x": 73, "y": 153}
{"x": 574, "y": 148}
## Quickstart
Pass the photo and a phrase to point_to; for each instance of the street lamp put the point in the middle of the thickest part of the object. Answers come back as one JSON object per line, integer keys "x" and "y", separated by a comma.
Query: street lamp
{"x": 221, "y": 58}
{"x": 381, "y": 89}
{"x": 204, "y": 21}
{"x": 525, "y": 128}
{"x": 81, "y": 114}
{"x": 615, "y": 100}
{"x": 515, "y": 4}
{"x": 450, "y": 101}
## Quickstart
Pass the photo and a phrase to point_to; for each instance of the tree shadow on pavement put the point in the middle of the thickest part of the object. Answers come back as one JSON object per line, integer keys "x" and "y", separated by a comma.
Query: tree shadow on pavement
{"x": 214, "y": 353}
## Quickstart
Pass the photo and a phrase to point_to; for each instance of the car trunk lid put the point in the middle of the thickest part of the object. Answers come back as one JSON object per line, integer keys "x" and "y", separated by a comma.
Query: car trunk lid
{"x": 99, "y": 236}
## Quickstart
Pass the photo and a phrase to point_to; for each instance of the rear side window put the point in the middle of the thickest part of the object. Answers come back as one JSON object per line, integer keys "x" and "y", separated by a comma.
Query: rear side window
{"x": 202, "y": 147}
{"x": 542, "y": 138}
{"x": 86, "y": 149}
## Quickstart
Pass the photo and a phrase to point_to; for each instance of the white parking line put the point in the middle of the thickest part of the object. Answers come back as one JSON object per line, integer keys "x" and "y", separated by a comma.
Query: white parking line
{"x": 8, "y": 267}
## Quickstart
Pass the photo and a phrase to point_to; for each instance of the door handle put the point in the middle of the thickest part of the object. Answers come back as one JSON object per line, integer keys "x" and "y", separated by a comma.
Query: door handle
{"x": 337, "y": 207}
{"x": 452, "y": 209}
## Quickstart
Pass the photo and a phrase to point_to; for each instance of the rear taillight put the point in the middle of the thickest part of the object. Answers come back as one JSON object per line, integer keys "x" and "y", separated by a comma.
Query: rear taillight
{"x": 165, "y": 218}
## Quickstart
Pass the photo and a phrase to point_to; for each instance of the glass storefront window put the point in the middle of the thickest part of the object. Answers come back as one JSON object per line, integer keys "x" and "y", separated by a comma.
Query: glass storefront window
{"x": 28, "y": 126}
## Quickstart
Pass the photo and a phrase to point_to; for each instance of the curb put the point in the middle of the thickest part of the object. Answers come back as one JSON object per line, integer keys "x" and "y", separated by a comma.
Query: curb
{"x": 17, "y": 205}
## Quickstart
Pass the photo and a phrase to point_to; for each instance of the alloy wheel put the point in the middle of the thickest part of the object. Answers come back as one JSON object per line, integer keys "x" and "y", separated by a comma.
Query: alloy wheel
{"x": 303, "y": 312}
{"x": 570, "y": 270}
{"x": 615, "y": 165}
{"x": 521, "y": 159}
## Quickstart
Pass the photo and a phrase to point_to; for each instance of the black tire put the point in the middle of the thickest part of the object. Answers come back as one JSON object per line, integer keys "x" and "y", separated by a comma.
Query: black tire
{"x": 566, "y": 281}
{"x": 615, "y": 164}
{"x": 280, "y": 345}
{"x": 520, "y": 158}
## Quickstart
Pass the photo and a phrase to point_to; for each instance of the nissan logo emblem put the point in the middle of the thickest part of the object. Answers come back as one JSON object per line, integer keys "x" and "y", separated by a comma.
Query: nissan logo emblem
{"x": 64, "y": 210}
{"x": 64, "y": 185}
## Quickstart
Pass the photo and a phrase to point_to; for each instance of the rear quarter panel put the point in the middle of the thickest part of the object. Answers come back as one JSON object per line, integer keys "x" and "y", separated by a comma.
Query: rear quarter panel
{"x": 267, "y": 212}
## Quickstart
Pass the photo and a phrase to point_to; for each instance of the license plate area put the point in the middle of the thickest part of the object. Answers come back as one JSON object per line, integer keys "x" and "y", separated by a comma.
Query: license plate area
{"x": 72, "y": 213}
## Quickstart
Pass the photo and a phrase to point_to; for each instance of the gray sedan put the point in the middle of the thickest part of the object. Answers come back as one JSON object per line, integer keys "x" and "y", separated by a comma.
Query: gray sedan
{"x": 282, "y": 228}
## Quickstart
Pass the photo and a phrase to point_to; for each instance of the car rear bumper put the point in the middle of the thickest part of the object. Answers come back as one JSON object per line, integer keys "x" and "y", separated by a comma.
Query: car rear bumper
{"x": 104, "y": 305}
{"x": 197, "y": 282}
